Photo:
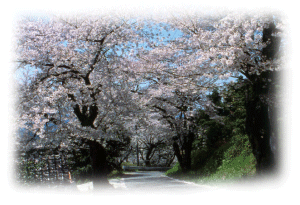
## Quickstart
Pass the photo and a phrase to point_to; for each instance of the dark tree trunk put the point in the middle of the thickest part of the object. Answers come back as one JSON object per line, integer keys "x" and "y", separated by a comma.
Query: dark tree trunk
{"x": 147, "y": 163}
{"x": 100, "y": 165}
{"x": 86, "y": 115}
{"x": 177, "y": 153}
{"x": 259, "y": 106}
{"x": 188, "y": 151}
{"x": 184, "y": 154}
{"x": 148, "y": 155}
{"x": 260, "y": 109}
{"x": 258, "y": 129}
{"x": 169, "y": 161}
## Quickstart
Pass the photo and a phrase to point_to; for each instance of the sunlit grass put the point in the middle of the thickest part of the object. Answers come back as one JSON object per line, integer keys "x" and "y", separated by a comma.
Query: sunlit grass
{"x": 230, "y": 163}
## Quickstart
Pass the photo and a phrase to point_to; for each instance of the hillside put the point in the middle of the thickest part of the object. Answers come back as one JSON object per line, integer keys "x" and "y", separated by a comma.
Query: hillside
{"x": 230, "y": 163}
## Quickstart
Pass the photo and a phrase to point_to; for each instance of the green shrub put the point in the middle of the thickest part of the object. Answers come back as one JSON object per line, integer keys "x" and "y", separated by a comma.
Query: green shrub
{"x": 115, "y": 174}
{"x": 176, "y": 170}
{"x": 215, "y": 160}
{"x": 199, "y": 158}
{"x": 82, "y": 174}
{"x": 237, "y": 162}
{"x": 228, "y": 163}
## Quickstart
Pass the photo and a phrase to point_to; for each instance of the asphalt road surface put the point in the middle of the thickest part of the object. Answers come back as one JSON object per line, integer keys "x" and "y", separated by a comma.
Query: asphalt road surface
{"x": 153, "y": 182}
{"x": 134, "y": 182}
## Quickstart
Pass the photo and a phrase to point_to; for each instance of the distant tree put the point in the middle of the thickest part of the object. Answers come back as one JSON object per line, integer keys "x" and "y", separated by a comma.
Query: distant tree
{"x": 118, "y": 149}
{"x": 151, "y": 136}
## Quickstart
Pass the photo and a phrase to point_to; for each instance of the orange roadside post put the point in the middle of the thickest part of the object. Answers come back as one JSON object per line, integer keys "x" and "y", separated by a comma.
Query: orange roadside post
{"x": 70, "y": 178}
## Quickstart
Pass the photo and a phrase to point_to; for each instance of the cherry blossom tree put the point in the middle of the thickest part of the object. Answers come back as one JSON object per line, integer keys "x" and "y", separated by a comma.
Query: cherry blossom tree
{"x": 173, "y": 88}
{"x": 248, "y": 45}
{"x": 76, "y": 65}
{"x": 211, "y": 48}
{"x": 152, "y": 137}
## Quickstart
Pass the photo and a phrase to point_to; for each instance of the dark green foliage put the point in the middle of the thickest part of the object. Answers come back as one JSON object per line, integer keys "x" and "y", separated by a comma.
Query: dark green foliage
{"x": 214, "y": 160}
{"x": 240, "y": 143}
{"x": 117, "y": 151}
{"x": 231, "y": 161}
{"x": 212, "y": 132}
{"x": 215, "y": 97}
{"x": 222, "y": 145}
{"x": 25, "y": 170}
{"x": 234, "y": 107}
{"x": 248, "y": 120}
{"x": 116, "y": 174}
{"x": 83, "y": 174}
{"x": 215, "y": 133}
{"x": 199, "y": 158}
{"x": 81, "y": 166}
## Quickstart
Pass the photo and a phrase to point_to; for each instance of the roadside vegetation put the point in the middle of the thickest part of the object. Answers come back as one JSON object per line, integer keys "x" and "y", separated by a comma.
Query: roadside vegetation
{"x": 222, "y": 151}
{"x": 229, "y": 163}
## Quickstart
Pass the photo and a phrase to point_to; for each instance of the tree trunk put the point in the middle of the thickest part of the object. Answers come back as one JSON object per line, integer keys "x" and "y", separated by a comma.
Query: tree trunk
{"x": 100, "y": 165}
{"x": 258, "y": 124}
{"x": 178, "y": 153}
{"x": 169, "y": 161}
{"x": 188, "y": 149}
{"x": 148, "y": 155}
{"x": 184, "y": 155}
{"x": 258, "y": 127}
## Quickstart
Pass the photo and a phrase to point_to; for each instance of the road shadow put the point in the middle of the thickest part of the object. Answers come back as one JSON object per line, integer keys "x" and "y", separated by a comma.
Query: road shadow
{"x": 130, "y": 175}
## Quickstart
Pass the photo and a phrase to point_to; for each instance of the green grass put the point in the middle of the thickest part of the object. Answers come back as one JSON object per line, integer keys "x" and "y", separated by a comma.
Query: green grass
{"x": 174, "y": 171}
{"x": 231, "y": 171}
{"x": 230, "y": 163}
{"x": 116, "y": 174}
{"x": 128, "y": 164}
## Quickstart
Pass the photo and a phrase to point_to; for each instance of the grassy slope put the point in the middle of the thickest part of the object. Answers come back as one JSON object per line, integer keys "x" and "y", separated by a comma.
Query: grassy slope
{"x": 229, "y": 163}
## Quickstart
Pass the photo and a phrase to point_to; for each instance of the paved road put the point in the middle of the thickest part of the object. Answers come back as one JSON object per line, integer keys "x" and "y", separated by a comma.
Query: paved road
{"x": 136, "y": 182}
{"x": 154, "y": 181}
{"x": 149, "y": 182}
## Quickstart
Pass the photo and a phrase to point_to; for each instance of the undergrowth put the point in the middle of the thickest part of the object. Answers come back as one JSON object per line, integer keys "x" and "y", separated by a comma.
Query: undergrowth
{"x": 231, "y": 162}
